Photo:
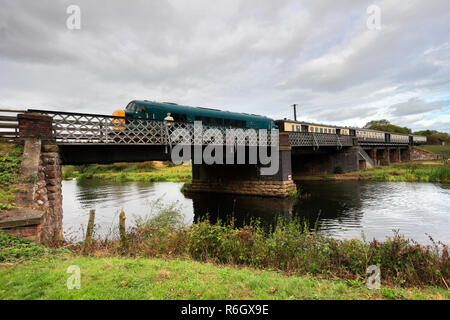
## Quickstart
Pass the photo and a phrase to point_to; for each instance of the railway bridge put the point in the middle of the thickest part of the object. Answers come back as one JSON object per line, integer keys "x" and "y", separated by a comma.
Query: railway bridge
{"x": 252, "y": 162}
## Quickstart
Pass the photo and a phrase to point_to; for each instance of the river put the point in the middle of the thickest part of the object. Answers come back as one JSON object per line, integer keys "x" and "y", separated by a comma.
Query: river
{"x": 341, "y": 209}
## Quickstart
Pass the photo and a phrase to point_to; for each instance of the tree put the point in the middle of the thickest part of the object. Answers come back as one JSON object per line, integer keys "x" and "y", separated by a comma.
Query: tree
{"x": 385, "y": 125}
{"x": 434, "y": 137}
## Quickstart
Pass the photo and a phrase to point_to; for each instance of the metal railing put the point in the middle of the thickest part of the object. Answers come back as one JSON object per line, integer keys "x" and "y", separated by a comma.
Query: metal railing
{"x": 316, "y": 140}
{"x": 9, "y": 126}
{"x": 83, "y": 128}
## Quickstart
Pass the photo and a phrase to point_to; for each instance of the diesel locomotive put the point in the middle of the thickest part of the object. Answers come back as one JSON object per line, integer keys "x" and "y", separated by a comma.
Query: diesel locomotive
{"x": 144, "y": 109}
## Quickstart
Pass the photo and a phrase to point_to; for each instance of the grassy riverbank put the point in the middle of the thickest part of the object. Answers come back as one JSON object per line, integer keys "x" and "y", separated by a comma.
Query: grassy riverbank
{"x": 437, "y": 149}
{"x": 10, "y": 158}
{"x": 150, "y": 171}
{"x": 414, "y": 171}
{"x": 29, "y": 271}
{"x": 118, "y": 278}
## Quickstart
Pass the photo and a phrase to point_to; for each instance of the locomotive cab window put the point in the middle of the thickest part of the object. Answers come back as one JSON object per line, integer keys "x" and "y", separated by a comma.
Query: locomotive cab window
{"x": 179, "y": 117}
{"x": 130, "y": 106}
{"x": 140, "y": 109}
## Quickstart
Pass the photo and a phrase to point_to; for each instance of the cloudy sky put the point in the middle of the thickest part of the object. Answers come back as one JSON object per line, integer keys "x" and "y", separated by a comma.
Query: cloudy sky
{"x": 240, "y": 55}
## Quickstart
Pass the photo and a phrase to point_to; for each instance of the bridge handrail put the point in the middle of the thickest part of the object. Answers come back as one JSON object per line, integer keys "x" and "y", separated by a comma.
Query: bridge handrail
{"x": 75, "y": 127}
{"x": 9, "y": 122}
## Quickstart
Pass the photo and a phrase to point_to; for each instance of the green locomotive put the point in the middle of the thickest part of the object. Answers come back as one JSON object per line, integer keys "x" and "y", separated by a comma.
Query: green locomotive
{"x": 151, "y": 110}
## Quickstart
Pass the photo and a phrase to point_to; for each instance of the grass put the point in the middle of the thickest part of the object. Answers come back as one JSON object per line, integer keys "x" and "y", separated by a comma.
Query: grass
{"x": 437, "y": 149}
{"x": 414, "y": 171}
{"x": 150, "y": 171}
{"x": 175, "y": 279}
{"x": 14, "y": 249}
{"x": 417, "y": 171}
{"x": 10, "y": 159}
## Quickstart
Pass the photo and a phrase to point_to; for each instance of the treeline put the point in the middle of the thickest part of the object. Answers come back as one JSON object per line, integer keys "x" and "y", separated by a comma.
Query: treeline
{"x": 433, "y": 136}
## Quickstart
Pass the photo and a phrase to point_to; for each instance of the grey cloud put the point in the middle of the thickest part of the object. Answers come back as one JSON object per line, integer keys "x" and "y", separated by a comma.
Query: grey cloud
{"x": 415, "y": 106}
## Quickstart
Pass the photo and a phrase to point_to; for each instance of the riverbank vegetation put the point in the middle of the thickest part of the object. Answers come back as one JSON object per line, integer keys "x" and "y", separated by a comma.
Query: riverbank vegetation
{"x": 414, "y": 171}
{"x": 10, "y": 159}
{"x": 437, "y": 149}
{"x": 149, "y": 171}
{"x": 221, "y": 261}
{"x": 287, "y": 246}
{"x": 417, "y": 171}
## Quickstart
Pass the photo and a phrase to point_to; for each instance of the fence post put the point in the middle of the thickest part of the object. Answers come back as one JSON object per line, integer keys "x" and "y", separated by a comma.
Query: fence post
{"x": 89, "y": 231}
{"x": 122, "y": 230}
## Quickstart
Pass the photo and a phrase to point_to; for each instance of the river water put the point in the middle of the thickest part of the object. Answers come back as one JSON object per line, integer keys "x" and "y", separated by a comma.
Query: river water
{"x": 340, "y": 209}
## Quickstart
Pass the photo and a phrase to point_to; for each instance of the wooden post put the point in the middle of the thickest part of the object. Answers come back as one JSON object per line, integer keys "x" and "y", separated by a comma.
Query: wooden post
{"x": 89, "y": 232}
{"x": 122, "y": 230}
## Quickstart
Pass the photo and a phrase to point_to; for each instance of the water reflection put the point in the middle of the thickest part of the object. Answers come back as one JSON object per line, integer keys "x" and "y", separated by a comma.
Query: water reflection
{"x": 342, "y": 209}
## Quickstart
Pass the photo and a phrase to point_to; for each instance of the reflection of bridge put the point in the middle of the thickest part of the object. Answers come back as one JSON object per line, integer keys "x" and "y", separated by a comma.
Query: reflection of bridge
{"x": 55, "y": 138}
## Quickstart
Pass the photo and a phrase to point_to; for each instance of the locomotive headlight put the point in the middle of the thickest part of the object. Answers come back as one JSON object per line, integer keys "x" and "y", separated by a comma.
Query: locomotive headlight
{"x": 119, "y": 123}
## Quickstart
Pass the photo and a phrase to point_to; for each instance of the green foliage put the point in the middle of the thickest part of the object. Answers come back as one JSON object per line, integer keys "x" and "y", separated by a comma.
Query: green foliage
{"x": 437, "y": 149}
{"x": 168, "y": 279}
{"x": 289, "y": 246}
{"x": 162, "y": 215}
{"x": 186, "y": 184}
{"x": 299, "y": 194}
{"x": 9, "y": 172}
{"x": 338, "y": 170}
{"x": 121, "y": 172}
{"x": 385, "y": 125}
{"x": 416, "y": 171}
{"x": 13, "y": 249}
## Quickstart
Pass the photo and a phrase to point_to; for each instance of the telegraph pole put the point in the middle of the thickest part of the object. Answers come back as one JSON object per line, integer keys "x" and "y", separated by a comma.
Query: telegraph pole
{"x": 295, "y": 111}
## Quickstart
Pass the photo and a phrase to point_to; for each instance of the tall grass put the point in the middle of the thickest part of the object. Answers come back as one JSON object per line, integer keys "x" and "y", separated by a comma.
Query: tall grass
{"x": 410, "y": 172}
{"x": 289, "y": 246}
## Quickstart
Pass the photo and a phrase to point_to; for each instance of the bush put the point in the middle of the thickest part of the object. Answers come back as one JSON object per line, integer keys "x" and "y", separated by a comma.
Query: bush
{"x": 288, "y": 246}
{"x": 338, "y": 170}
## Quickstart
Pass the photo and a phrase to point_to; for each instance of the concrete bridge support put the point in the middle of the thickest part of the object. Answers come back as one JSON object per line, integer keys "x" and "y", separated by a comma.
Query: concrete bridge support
{"x": 394, "y": 155}
{"x": 383, "y": 156}
{"x": 373, "y": 155}
{"x": 245, "y": 179}
{"x": 325, "y": 161}
{"x": 405, "y": 154}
